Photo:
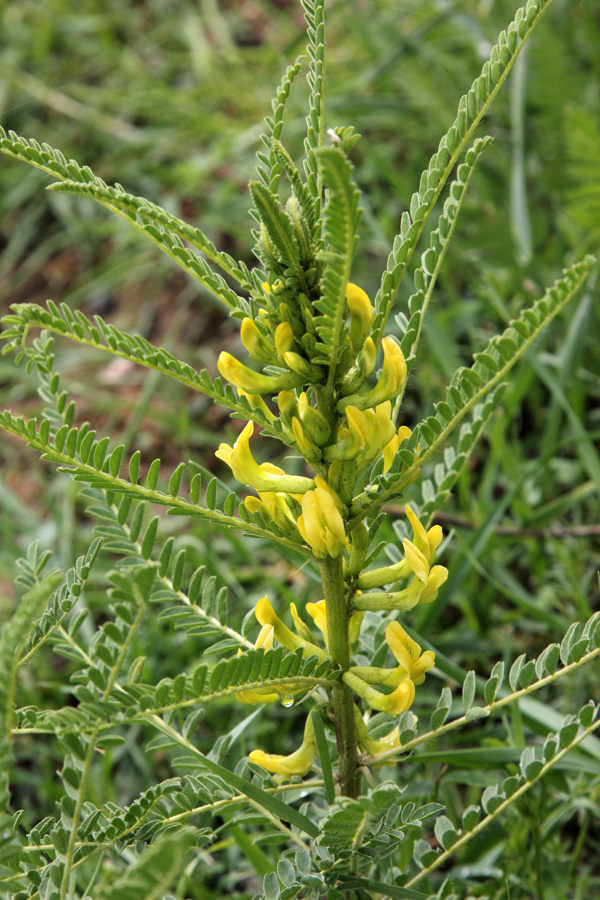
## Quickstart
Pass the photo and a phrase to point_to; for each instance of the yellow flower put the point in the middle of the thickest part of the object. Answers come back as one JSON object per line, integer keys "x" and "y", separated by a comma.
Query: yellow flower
{"x": 418, "y": 555}
{"x": 298, "y": 763}
{"x": 389, "y": 451}
{"x": 321, "y": 524}
{"x": 252, "y": 382}
{"x": 319, "y": 615}
{"x": 408, "y": 653}
{"x": 284, "y": 338}
{"x": 368, "y": 431}
{"x": 260, "y": 477}
{"x": 390, "y": 383}
{"x": 266, "y": 615}
{"x": 361, "y": 315}
{"x": 395, "y": 703}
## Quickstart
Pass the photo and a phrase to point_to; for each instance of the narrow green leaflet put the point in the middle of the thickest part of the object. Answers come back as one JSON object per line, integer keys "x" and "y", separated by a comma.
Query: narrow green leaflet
{"x": 472, "y": 107}
{"x": 81, "y": 180}
{"x": 97, "y": 475}
{"x": 101, "y": 335}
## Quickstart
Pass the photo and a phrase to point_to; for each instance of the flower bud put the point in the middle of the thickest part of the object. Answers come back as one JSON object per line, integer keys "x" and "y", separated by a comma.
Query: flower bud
{"x": 359, "y": 544}
{"x": 306, "y": 447}
{"x": 321, "y": 524}
{"x": 257, "y": 402}
{"x": 255, "y": 342}
{"x": 373, "y": 746}
{"x": 252, "y": 382}
{"x": 342, "y": 478}
{"x": 314, "y": 422}
{"x": 288, "y": 406}
{"x": 301, "y": 626}
{"x": 319, "y": 616}
{"x": 361, "y": 315}
{"x": 301, "y": 367}
{"x": 367, "y": 359}
{"x": 284, "y": 338}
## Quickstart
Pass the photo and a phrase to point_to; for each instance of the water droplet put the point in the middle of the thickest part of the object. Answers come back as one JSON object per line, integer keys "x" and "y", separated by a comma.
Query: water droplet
{"x": 286, "y": 700}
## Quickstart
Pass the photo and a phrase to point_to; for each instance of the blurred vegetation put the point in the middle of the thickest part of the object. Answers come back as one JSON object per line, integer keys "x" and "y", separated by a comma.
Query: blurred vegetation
{"x": 167, "y": 99}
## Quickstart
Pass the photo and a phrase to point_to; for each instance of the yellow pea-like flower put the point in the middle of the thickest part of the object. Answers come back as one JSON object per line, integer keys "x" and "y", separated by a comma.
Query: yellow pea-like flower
{"x": 298, "y": 763}
{"x": 321, "y": 524}
{"x": 391, "y": 381}
{"x": 408, "y": 653}
{"x": 260, "y": 477}
{"x": 266, "y": 615}
{"x": 245, "y": 379}
{"x": 419, "y": 554}
{"x": 398, "y": 701}
{"x": 319, "y": 616}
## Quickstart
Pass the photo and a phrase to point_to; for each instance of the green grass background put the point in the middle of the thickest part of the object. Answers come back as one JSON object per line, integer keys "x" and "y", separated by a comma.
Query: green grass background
{"x": 167, "y": 98}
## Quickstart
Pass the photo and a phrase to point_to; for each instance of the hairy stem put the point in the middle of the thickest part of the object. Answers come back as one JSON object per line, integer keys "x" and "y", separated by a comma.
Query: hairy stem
{"x": 339, "y": 648}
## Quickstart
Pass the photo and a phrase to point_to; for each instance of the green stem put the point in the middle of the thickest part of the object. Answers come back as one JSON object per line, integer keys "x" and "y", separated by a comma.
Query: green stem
{"x": 337, "y": 633}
